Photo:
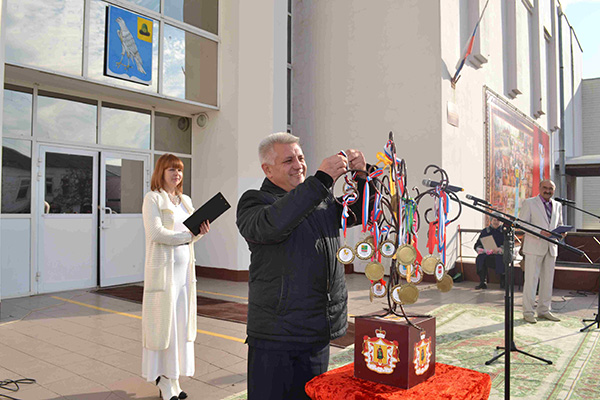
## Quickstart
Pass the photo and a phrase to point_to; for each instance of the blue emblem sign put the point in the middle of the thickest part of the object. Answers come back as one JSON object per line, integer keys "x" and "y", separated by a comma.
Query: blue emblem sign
{"x": 128, "y": 53}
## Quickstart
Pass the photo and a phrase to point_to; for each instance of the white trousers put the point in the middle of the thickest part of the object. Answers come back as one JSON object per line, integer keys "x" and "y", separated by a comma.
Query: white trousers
{"x": 538, "y": 268}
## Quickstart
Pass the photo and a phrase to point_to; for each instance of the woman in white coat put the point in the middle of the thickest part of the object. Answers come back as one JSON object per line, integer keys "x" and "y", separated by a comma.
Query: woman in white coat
{"x": 169, "y": 305}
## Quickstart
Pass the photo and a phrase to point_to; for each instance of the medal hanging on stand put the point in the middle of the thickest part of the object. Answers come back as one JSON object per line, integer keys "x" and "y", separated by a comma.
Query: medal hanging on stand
{"x": 444, "y": 281}
{"x": 345, "y": 254}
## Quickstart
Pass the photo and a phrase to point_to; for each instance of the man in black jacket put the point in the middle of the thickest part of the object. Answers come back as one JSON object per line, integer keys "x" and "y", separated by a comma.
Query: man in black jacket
{"x": 297, "y": 290}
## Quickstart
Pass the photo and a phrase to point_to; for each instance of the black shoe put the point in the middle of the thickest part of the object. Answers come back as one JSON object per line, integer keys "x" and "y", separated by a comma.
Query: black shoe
{"x": 481, "y": 286}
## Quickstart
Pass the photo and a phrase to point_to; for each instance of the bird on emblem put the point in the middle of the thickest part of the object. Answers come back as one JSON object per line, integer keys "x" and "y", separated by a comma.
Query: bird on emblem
{"x": 128, "y": 47}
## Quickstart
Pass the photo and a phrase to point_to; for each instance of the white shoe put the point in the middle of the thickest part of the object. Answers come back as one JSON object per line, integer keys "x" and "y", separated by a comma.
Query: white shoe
{"x": 165, "y": 388}
{"x": 530, "y": 318}
{"x": 177, "y": 389}
{"x": 549, "y": 316}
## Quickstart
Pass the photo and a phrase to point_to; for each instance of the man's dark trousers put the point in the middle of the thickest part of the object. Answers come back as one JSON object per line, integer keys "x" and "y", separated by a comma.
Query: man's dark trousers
{"x": 280, "y": 370}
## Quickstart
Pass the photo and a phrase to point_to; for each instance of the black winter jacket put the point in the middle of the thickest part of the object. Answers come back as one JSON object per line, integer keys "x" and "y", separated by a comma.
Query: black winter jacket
{"x": 297, "y": 288}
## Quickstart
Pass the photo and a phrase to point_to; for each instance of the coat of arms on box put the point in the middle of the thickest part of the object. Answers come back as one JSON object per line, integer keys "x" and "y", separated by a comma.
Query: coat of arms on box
{"x": 422, "y": 354}
{"x": 381, "y": 355}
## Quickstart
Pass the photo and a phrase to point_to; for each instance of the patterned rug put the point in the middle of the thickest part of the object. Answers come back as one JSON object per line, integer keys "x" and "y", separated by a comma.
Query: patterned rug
{"x": 467, "y": 336}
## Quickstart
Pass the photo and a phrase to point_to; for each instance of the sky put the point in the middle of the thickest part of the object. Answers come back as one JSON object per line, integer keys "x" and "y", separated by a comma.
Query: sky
{"x": 584, "y": 17}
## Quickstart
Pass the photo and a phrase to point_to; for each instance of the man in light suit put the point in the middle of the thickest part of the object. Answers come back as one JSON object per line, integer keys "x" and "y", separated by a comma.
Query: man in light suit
{"x": 540, "y": 255}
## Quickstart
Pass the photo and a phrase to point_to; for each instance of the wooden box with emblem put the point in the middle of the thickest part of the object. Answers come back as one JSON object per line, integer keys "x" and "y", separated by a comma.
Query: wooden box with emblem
{"x": 388, "y": 350}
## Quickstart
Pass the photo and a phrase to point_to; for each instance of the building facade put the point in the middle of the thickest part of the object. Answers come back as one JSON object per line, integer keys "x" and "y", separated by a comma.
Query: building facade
{"x": 79, "y": 146}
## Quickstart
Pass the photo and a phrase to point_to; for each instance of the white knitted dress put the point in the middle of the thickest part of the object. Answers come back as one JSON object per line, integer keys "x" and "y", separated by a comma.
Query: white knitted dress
{"x": 178, "y": 358}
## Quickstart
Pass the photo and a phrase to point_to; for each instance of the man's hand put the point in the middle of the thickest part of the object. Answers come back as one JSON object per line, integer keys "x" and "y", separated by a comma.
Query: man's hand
{"x": 356, "y": 159}
{"x": 334, "y": 166}
{"x": 546, "y": 234}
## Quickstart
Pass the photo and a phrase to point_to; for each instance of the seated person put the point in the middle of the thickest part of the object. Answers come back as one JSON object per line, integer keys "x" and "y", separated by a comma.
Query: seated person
{"x": 491, "y": 258}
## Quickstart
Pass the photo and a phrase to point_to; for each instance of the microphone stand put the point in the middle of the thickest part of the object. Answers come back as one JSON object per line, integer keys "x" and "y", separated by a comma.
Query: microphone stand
{"x": 509, "y": 240}
{"x": 572, "y": 205}
{"x": 596, "y": 319}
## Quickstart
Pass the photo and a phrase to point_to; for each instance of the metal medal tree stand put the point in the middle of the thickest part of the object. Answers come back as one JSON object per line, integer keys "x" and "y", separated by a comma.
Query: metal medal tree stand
{"x": 596, "y": 319}
{"x": 510, "y": 223}
{"x": 390, "y": 204}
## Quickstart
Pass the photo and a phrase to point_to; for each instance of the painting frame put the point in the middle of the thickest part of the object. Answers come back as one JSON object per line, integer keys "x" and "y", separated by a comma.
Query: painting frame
{"x": 517, "y": 154}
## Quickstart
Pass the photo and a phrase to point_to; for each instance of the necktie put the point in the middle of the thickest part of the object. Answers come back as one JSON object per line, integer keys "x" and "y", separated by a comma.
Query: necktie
{"x": 548, "y": 206}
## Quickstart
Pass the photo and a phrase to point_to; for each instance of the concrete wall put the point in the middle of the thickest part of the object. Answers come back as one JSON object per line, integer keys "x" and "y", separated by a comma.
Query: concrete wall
{"x": 361, "y": 70}
{"x": 252, "y": 105}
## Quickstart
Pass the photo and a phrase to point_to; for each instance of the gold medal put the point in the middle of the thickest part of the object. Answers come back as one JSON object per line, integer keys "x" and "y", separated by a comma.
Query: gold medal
{"x": 445, "y": 284}
{"x": 364, "y": 250}
{"x": 406, "y": 254}
{"x": 374, "y": 271}
{"x": 402, "y": 270}
{"x": 378, "y": 290}
{"x": 429, "y": 263}
{"x": 440, "y": 271}
{"x": 417, "y": 276}
{"x": 345, "y": 255}
{"x": 405, "y": 294}
{"x": 387, "y": 248}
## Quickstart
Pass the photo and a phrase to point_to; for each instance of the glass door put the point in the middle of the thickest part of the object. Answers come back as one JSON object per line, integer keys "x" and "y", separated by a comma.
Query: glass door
{"x": 124, "y": 180}
{"x": 67, "y": 219}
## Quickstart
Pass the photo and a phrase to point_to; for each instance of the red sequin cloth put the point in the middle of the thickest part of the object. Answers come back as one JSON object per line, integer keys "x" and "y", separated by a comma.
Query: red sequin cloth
{"x": 449, "y": 382}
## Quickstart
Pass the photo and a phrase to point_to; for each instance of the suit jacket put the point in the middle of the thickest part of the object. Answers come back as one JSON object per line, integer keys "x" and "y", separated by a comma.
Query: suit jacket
{"x": 533, "y": 211}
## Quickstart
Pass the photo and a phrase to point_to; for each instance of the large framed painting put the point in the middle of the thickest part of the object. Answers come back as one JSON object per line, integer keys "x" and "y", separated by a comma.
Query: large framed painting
{"x": 517, "y": 156}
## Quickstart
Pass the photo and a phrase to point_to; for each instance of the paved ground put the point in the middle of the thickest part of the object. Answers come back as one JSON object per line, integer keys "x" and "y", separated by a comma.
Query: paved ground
{"x": 80, "y": 345}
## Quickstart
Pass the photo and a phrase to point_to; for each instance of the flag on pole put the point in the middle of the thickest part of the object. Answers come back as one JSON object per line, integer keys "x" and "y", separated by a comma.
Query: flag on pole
{"x": 468, "y": 47}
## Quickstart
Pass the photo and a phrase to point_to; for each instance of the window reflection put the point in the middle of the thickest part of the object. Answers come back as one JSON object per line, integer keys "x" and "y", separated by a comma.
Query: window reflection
{"x": 16, "y": 176}
{"x": 189, "y": 66}
{"x": 153, "y": 5}
{"x": 68, "y": 118}
{"x": 16, "y": 117}
{"x": 32, "y": 29}
{"x": 203, "y": 14}
{"x": 125, "y": 127}
{"x": 172, "y": 133}
{"x": 96, "y": 50}
{"x": 69, "y": 177}
{"x": 124, "y": 185}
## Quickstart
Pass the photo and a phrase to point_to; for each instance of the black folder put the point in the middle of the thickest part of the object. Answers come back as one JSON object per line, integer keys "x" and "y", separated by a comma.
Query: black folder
{"x": 210, "y": 211}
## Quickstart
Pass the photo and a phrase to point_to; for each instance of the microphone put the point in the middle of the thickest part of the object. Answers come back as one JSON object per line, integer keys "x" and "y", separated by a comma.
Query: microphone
{"x": 449, "y": 188}
{"x": 478, "y": 200}
{"x": 564, "y": 201}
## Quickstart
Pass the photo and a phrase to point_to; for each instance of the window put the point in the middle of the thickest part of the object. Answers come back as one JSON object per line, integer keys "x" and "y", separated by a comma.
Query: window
{"x": 125, "y": 127}
{"x": 16, "y": 116}
{"x": 71, "y": 177}
{"x": 67, "y": 118}
{"x": 190, "y": 66}
{"x": 203, "y": 14}
{"x": 33, "y": 27}
{"x": 16, "y": 176}
{"x": 172, "y": 133}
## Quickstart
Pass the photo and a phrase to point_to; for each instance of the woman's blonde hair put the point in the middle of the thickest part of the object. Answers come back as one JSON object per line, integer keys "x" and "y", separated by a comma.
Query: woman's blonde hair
{"x": 165, "y": 162}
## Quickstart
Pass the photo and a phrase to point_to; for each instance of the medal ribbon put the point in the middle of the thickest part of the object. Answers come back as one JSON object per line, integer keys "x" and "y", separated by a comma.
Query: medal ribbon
{"x": 443, "y": 209}
{"x": 365, "y": 207}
